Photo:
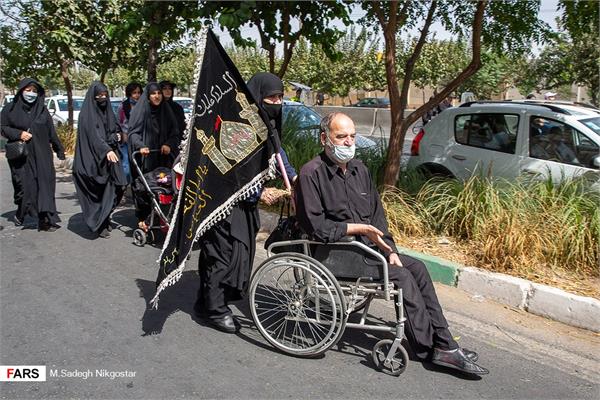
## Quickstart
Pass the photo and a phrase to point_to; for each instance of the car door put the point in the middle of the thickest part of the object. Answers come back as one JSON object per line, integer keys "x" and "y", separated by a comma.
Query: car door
{"x": 484, "y": 143}
{"x": 557, "y": 150}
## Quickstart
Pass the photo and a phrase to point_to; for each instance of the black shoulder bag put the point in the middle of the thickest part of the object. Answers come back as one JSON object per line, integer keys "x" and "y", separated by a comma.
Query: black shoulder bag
{"x": 287, "y": 226}
{"x": 16, "y": 149}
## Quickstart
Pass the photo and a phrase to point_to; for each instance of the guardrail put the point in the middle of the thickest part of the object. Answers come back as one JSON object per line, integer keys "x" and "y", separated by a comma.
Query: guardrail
{"x": 368, "y": 121}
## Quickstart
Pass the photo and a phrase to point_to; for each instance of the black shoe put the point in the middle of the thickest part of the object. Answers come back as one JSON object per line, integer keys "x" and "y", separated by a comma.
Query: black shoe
{"x": 471, "y": 355}
{"x": 456, "y": 359}
{"x": 226, "y": 324}
{"x": 104, "y": 234}
{"x": 19, "y": 220}
{"x": 46, "y": 226}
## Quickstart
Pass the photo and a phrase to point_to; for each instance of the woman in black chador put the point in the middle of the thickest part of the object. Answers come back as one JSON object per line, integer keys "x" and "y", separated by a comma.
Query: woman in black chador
{"x": 34, "y": 179}
{"x": 97, "y": 171}
{"x": 152, "y": 126}
{"x": 227, "y": 249}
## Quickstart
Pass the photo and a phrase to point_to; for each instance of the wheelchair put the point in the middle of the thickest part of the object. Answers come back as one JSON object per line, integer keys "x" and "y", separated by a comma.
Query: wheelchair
{"x": 302, "y": 295}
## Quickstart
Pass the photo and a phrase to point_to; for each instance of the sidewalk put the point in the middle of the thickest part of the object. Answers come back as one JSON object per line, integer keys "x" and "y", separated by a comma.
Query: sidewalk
{"x": 542, "y": 300}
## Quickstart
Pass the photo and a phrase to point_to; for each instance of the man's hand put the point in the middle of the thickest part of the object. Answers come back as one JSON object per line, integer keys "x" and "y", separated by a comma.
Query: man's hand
{"x": 144, "y": 151}
{"x": 112, "y": 157}
{"x": 395, "y": 260}
{"x": 374, "y": 235}
{"x": 166, "y": 150}
{"x": 25, "y": 136}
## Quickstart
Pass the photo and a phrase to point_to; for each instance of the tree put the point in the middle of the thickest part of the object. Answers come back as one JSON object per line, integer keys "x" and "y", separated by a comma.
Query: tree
{"x": 275, "y": 21}
{"x": 501, "y": 25}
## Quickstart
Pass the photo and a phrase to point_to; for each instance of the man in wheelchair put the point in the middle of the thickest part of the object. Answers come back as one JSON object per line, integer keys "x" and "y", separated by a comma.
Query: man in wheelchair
{"x": 337, "y": 198}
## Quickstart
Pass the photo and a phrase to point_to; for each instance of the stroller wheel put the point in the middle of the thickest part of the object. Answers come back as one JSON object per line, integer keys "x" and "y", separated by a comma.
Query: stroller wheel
{"x": 139, "y": 237}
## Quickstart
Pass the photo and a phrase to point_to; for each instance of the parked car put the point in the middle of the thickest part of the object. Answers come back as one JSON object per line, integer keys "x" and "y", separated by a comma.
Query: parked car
{"x": 7, "y": 99}
{"x": 115, "y": 102}
{"x": 308, "y": 121}
{"x": 57, "y": 106}
{"x": 374, "y": 102}
{"x": 510, "y": 139}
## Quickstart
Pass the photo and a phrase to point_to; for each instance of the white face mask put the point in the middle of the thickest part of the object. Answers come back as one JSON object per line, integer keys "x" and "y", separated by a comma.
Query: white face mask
{"x": 340, "y": 153}
{"x": 30, "y": 97}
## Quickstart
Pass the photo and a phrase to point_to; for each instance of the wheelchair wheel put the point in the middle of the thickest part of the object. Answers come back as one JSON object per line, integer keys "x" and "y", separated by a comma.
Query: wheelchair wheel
{"x": 297, "y": 304}
{"x": 139, "y": 237}
{"x": 396, "y": 363}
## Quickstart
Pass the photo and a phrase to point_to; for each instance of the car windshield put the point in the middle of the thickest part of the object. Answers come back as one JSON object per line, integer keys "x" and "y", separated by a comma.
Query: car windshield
{"x": 592, "y": 123}
{"x": 115, "y": 105}
{"x": 77, "y": 103}
{"x": 303, "y": 116}
{"x": 186, "y": 104}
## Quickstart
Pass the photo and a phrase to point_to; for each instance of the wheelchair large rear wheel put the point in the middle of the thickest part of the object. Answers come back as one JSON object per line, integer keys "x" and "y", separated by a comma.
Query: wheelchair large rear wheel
{"x": 297, "y": 304}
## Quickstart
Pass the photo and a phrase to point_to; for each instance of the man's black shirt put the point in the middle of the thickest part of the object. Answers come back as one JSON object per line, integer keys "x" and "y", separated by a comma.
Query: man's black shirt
{"x": 328, "y": 199}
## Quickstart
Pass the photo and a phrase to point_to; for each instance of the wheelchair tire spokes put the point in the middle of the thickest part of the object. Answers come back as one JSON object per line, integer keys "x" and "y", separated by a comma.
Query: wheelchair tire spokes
{"x": 297, "y": 305}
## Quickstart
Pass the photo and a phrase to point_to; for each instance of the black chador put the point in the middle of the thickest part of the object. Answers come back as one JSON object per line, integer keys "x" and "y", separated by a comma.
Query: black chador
{"x": 151, "y": 126}
{"x": 34, "y": 177}
{"x": 99, "y": 182}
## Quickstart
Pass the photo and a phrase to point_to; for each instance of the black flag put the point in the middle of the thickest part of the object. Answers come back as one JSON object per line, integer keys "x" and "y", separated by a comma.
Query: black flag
{"x": 228, "y": 153}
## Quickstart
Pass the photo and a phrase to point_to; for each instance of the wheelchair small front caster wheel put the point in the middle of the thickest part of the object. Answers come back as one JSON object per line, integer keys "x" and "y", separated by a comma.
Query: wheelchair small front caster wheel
{"x": 139, "y": 237}
{"x": 391, "y": 364}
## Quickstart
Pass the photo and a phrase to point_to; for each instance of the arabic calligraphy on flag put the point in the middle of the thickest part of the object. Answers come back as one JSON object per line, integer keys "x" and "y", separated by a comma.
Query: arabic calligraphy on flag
{"x": 228, "y": 153}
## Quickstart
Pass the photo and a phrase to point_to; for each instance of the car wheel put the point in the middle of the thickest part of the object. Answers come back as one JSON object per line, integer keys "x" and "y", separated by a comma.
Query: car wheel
{"x": 435, "y": 171}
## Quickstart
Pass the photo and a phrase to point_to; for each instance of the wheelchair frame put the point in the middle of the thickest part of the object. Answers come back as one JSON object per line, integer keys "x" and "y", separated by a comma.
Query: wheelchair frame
{"x": 299, "y": 289}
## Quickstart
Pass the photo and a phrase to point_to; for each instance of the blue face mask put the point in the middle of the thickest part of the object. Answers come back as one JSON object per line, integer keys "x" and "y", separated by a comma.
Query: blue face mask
{"x": 132, "y": 101}
{"x": 339, "y": 153}
{"x": 30, "y": 97}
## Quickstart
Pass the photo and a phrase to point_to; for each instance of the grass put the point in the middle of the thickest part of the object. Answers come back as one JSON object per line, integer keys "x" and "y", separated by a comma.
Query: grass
{"x": 535, "y": 230}
{"x": 68, "y": 138}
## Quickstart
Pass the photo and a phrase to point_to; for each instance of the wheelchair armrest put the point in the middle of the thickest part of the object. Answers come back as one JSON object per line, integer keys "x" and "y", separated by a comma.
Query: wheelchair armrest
{"x": 347, "y": 239}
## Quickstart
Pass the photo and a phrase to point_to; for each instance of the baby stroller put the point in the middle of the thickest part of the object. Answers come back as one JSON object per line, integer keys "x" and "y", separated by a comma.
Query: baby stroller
{"x": 160, "y": 186}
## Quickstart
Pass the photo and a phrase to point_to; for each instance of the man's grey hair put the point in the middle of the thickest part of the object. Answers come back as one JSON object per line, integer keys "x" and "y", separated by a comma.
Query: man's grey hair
{"x": 326, "y": 121}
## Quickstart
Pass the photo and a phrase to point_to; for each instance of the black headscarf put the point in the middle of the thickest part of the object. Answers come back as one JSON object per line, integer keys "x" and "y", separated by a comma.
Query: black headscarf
{"x": 264, "y": 84}
{"x": 153, "y": 126}
{"x": 95, "y": 177}
{"x": 22, "y": 114}
{"x": 175, "y": 107}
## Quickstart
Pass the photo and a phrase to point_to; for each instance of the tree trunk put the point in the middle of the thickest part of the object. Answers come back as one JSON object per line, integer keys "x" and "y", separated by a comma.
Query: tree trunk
{"x": 399, "y": 101}
{"x": 102, "y": 76}
{"x": 153, "y": 46}
{"x": 64, "y": 72}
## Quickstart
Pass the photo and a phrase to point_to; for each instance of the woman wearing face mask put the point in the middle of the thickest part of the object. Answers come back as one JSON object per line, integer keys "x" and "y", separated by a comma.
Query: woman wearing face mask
{"x": 33, "y": 176}
{"x": 133, "y": 91}
{"x": 97, "y": 172}
{"x": 152, "y": 126}
{"x": 227, "y": 249}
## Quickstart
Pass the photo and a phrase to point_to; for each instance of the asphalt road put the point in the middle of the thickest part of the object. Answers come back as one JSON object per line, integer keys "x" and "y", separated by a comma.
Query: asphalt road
{"x": 74, "y": 303}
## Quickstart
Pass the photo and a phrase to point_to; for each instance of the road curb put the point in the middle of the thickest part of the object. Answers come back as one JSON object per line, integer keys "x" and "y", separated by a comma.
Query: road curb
{"x": 441, "y": 270}
{"x": 67, "y": 163}
{"x": 542, "y": 300}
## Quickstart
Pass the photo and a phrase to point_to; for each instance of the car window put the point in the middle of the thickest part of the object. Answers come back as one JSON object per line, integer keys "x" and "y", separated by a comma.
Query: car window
{"x": 186, "y": 104}
{"x": 556, "y": 141}
{"x": 51, "y": 106}
{"x": 592, "y": 123}
{"x": 77, "y": 103}
{"x": 496, "y": 132}
{"x": 303, "y": 116}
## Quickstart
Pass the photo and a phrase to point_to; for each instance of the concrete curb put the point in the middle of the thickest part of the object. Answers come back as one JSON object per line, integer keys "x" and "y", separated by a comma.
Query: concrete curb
{"x": 67, "y": 163}
{"x": 542, "y": 300}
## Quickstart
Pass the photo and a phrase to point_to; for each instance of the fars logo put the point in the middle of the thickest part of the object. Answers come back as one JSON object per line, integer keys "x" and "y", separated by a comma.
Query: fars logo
{"x": 22, "y": 373}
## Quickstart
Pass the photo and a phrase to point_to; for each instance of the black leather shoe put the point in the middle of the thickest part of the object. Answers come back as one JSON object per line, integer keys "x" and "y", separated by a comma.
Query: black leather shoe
{"x": 471, "y": 355}
{"x": 19, "y": 221}
{"x": 456, "y": 359}
{"x": 226, "y": 324}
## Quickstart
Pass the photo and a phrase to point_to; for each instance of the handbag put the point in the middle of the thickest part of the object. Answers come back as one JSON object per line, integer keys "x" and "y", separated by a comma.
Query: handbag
{"x": 287, "y": 227}
{"x": 16, "y": 150}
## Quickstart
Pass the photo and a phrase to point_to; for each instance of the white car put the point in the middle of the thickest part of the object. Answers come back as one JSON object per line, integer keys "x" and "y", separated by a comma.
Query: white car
{"x": 509, "y": 139}
{"x": 57, "y": 106}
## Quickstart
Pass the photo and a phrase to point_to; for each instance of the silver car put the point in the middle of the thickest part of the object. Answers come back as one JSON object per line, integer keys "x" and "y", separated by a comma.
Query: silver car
{"x": 509, "y": 139}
